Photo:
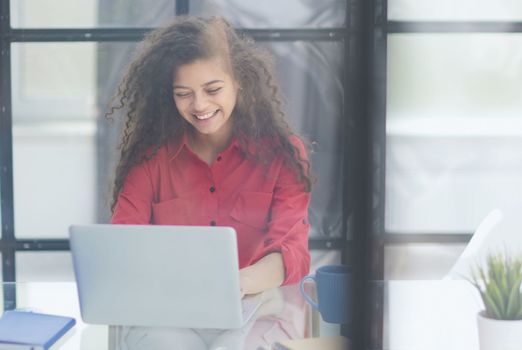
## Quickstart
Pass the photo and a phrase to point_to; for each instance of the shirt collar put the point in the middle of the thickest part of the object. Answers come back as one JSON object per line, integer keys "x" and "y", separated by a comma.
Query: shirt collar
{"x": 174, "y": 147}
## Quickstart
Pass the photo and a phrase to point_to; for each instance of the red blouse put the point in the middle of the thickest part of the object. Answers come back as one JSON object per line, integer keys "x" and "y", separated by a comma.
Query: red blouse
{"x": 264, "y": 203}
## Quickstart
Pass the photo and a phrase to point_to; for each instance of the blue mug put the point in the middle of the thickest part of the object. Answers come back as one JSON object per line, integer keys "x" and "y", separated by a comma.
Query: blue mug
{"x": 333, "y": 293}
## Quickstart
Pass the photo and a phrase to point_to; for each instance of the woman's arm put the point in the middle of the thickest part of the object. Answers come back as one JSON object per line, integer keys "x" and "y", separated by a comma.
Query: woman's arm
{"x": 134, "y": 202}
{"x": 285, "y": 256}
{"x": 268, "y": 272}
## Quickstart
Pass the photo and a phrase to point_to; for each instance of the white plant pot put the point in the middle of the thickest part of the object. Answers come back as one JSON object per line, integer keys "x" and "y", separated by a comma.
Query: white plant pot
{"x": 499, "y": 334}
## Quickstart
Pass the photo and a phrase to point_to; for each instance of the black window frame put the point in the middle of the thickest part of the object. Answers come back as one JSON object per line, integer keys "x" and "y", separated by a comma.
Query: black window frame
{"x": 9, "y": 244}
{"x": 373, "y": 247}
{"x": 444, "y": 27}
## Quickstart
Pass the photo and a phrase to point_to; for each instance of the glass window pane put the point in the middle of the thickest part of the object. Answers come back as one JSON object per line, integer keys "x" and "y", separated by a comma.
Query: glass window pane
{"x": 462, "y": 10}
{"x": 420, "y": 261}
{"x": 147, "y": 13}
{"x": 62, "y": 158}
{"x": 310, "y": 74}
{"x": 54, "y": 177}
{"x": 61, "y": 135}
{"x": 53, "y": 81}
{"x": 90, "y": 13}
{"x": 44, "y": 267}
{"x": 462, "y": 75}
{"x": 275, "y": 14}
{"x": 454, "y": 130}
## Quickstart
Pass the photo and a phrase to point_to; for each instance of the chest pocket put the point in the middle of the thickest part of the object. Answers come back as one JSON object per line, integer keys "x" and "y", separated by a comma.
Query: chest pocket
{"x": 252, "y": 208}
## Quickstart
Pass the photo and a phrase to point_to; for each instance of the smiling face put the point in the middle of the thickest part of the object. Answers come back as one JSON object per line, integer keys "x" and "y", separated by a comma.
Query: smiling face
{"x": 205, "y": 95}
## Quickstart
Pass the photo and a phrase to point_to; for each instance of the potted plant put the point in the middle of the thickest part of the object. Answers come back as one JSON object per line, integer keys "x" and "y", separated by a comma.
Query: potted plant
{"x": 500, "y": 323}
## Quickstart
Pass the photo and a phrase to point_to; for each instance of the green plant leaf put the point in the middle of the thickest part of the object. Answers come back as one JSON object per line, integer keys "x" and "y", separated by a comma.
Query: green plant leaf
{"x": 496, "y": 296}
{"x": 514, "y": 270}
{"x": 519, "y": 314}
{"x": 491, "y": 309}
{"x": 498, "y": 283}
{"x": 503, "y": 285}
{"x": 493, "y": 267}
{"x": 483, "y": 275}
{"x": 513, "y": 305}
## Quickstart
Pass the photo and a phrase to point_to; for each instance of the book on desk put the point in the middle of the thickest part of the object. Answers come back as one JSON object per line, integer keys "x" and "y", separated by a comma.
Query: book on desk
{"x": 24, "y": 330}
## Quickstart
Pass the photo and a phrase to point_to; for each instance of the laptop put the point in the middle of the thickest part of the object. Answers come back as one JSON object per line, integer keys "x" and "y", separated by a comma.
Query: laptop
{"x": 159, "y": 276}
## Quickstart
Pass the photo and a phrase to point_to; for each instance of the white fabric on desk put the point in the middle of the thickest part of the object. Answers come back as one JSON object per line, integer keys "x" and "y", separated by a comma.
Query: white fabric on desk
{"x": 169, "y": 338}
{"x": 160, "y": 338}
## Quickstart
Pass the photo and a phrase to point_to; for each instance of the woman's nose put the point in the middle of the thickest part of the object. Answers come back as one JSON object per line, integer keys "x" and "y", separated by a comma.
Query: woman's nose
{"x": 199, "y": 102}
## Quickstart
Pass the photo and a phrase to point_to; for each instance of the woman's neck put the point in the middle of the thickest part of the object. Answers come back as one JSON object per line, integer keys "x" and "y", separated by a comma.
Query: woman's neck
{"x": 207, "y": 147}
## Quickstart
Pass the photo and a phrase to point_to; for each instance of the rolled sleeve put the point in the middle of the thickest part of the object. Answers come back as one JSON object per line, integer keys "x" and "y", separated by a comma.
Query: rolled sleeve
{"x": 288, "y": 227}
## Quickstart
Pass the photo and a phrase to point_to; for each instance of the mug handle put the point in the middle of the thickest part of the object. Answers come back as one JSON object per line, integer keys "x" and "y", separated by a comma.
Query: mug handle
{"x": 303, "y": 293}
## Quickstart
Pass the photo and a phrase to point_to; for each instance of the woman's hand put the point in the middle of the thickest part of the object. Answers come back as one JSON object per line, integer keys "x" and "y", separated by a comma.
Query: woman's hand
{"x": 245, "y": 282}
{"x": 267, "y": 273}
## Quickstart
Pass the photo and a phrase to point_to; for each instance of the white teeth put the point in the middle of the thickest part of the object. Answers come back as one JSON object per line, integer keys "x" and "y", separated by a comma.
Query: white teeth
{"x": 205, "y": 116}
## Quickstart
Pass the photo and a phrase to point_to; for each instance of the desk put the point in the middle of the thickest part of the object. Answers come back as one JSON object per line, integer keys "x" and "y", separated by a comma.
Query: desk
{"x": 430, "y": 315}
{"x": 427, "y": 315}
{"x": 417, "y": 315}
{"x": 285, "y": 315}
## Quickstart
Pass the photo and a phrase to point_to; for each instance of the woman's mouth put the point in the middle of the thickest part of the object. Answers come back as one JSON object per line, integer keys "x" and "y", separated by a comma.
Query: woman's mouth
{"x": 205, "y": 116}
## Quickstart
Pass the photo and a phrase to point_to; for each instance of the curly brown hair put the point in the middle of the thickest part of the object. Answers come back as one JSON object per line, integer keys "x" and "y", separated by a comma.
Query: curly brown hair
{"x": 151, "y": 116}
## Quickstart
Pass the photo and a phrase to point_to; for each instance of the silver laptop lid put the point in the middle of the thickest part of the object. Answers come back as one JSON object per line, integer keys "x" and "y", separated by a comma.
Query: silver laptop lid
{"x": 150, "y": 275}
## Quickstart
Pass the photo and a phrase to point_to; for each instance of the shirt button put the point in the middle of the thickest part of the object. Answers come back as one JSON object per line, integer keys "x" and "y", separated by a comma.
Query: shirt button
{"x": 212, "y": 223}
{"x": 212, "y": 189}
{"x": 219, "y": 158}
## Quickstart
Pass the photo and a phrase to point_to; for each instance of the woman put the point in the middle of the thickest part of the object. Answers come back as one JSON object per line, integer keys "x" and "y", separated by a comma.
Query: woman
{"x": 206, "y": 143}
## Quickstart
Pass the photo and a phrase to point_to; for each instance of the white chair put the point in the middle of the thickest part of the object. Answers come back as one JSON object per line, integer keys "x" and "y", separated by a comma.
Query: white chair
{"x": 483, "y": 241}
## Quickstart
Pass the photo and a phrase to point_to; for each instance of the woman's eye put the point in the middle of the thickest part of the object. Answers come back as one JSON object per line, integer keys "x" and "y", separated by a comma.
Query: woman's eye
{"x": 182, "y": 94}
{"x": 214, "y": 91}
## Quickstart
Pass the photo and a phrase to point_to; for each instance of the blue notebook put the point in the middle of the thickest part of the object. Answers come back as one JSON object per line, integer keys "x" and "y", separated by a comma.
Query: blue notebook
{"x": 31, "y": 330}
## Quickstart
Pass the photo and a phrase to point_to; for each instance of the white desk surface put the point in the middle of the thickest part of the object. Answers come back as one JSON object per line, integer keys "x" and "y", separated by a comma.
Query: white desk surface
{"x": 418, "y": 315}
{"x": 426, "y": 315}
{"x": 283, "y": 315}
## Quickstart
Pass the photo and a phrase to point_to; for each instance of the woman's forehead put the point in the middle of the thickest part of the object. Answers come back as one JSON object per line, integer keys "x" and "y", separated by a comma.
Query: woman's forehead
{"x": 201, "y": 71}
